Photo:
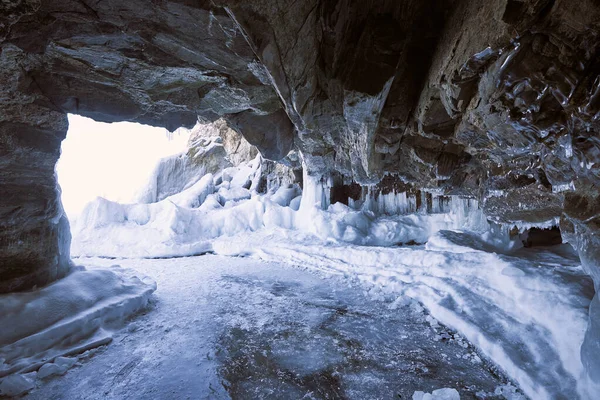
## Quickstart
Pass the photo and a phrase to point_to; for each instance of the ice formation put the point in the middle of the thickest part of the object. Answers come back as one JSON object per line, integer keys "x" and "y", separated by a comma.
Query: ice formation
{"x": 184, "y": 223}
{"x": 42, "y": 327}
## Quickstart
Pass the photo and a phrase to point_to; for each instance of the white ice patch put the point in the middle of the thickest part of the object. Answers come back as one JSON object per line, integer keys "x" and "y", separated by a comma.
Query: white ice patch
{"x": 439, "y": 394}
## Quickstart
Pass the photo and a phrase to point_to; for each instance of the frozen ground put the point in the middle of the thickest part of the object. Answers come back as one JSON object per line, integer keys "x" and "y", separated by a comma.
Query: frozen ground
{"x": 240, "y": 328}
{"x": 525, "y": 310}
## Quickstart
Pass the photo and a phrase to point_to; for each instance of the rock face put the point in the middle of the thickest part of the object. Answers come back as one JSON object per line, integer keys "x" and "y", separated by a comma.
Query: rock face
{"x": 211, "y": 149}
{"x": 34, "y": 232}
{"x": 499, "y": 100}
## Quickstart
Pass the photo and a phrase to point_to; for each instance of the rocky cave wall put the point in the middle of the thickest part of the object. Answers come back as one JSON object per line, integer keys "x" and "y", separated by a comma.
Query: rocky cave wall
{"x": 498, "y": 100}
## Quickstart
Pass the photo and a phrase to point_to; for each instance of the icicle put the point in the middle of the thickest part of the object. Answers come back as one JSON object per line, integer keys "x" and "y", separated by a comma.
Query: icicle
{"x": 466, "y": 214}
{"x": 392, "y": 203}
{"x": 316, "y": 191}
{"x": 423, "y": 209}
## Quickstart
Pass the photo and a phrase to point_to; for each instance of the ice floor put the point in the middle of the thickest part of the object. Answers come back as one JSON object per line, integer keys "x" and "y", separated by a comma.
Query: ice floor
{"x": 221, "y": 327}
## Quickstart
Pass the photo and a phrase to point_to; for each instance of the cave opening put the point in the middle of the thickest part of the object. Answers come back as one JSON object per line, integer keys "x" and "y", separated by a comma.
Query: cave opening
{"x": 110, "y": 160}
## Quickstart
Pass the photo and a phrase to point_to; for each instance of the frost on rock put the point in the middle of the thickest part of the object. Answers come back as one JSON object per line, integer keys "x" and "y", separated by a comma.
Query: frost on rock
{"x": 70, "y": 316}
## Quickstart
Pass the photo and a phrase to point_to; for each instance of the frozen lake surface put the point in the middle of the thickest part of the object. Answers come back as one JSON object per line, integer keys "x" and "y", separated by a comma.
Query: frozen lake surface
{"x": 223, "y": 327}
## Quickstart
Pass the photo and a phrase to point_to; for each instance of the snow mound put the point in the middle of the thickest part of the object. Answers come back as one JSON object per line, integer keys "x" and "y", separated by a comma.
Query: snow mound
{"x": 74, "y": 314}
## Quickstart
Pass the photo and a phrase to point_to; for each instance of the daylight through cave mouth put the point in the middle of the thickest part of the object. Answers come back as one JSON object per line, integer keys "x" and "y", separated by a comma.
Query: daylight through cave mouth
{"x": 114, "y": 161}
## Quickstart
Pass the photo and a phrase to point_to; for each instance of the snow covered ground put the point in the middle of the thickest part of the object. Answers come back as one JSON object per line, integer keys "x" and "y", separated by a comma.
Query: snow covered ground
{"x": 221, "y": 327}
{"x": 525, "y": 309}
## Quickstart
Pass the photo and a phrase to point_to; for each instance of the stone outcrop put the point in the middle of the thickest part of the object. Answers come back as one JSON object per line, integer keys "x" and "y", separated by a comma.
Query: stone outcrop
{"x": 211, "y": 149}
{"x": 498, "y": 100}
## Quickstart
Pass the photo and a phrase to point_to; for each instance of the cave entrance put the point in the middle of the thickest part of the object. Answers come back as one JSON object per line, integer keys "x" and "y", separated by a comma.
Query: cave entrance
{"x": 110, "y": 160}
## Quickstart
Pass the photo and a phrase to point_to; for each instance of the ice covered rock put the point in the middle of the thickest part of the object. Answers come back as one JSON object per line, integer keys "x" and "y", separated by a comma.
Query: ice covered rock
{"x": 195, "y": 195}
{"x": 179, "y": 172}
{"x": 71, "y": 315}
{"x": 60, "y": 366}
{"x": 66, "y": 362}
{"x": 233, "y": 194}
{"x": 285, "y": 194}
{"x": 15, "y": 385}
{"x": 51, "y": 369}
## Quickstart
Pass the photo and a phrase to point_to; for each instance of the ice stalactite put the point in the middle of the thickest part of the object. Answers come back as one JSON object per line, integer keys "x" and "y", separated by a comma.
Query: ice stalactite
{"x": 392, "y": 203}
{"x": 465, "y": 211}
{"x": 440, "y": 204}
{"x": 467, "y": 214}
{"x": 316, "y": 191}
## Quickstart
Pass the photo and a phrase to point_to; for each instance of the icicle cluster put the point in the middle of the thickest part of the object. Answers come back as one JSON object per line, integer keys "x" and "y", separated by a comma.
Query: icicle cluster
{"x": 391, "y": 203}
{"x": 316, "y": 191}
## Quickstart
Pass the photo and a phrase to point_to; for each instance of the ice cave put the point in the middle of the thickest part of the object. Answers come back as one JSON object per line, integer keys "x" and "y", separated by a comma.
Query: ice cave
{"x": 300, "y": 199}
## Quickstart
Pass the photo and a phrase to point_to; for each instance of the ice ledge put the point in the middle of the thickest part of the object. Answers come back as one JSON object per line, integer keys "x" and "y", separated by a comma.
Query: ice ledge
{"x": 70, "y": 316}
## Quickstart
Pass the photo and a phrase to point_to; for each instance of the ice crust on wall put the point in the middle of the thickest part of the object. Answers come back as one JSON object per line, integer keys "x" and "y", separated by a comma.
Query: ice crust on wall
{"x": 393, "y": 203}
{"x": 180, "y": 171}
{"x": 70, "y": 316}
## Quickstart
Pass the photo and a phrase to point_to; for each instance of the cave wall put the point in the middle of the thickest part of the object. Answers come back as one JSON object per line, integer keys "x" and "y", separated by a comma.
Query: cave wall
{"x": 499, "y": 100}
{"x": 34, "y": 232}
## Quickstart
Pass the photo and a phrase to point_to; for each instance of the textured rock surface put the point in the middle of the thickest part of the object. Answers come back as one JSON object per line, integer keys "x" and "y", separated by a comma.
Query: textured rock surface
{"x": 34, "y": 233}
{"x": 212, "y": 148}
{"x": 237, "y": 149}
{"x": 499, "y": 100}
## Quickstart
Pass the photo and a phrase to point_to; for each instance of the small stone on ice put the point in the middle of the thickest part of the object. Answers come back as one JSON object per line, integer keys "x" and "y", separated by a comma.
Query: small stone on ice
{"x": 14, "y": 385}
{"x": 439, "y": 394}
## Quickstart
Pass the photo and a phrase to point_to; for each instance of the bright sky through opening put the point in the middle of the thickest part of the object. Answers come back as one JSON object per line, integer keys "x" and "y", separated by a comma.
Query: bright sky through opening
{"x": 113, "y": 161}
